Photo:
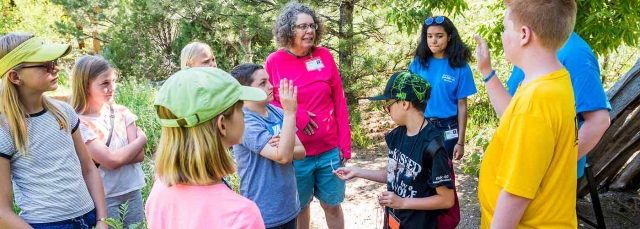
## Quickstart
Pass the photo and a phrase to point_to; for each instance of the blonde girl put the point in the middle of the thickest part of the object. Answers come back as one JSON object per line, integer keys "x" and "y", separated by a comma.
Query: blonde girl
{"x": 55, "y": 182}
{"x": 197, "y": 54}
{"x": 109, "y": 131}
{"x": 200, "y": 110}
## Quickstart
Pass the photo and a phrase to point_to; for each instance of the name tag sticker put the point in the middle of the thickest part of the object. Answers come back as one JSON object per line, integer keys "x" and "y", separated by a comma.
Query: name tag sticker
{"x": 450, "y": 134}
{"x": 314, "y": 64}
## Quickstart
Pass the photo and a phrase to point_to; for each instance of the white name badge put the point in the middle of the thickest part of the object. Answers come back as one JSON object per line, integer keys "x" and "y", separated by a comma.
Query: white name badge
{"x": 314, "y": 64}
{"x": 450, "y": 134}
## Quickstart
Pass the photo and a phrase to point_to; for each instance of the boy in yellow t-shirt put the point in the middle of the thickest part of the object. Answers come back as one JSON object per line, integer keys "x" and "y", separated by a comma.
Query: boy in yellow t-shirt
{"x": 528, "y": 173}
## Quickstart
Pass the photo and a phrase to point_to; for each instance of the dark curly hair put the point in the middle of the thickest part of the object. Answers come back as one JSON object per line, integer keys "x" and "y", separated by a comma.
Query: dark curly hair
{"x": 283, "y": 28}
{"x": 458, "y": 52}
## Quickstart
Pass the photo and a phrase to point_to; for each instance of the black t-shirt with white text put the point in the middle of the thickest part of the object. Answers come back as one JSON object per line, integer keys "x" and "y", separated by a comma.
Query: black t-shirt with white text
{"x": 412, "y": 173}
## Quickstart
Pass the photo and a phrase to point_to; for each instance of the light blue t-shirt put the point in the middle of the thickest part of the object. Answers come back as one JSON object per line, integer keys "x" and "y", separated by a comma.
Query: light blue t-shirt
{"x": 271, "y": 185}
{"x": 582, "y": 64}
{"x": 448, "y": 85}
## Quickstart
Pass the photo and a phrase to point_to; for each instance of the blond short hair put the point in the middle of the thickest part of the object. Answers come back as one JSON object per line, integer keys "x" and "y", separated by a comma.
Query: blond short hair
{"x": 551, "y": 20}
{"x": 191, "y": 51}
{"x": 193, "y": 155}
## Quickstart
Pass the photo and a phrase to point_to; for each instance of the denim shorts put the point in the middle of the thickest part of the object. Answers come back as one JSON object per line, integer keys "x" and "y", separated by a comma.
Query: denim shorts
{"x": 86, "y": 221}
{"x": 443, "y": 125}
{"x": 315, "y": 177}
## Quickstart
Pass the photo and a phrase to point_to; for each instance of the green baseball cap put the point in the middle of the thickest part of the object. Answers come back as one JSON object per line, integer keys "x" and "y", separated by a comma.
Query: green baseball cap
{"x": 407, "y": 86}
{"x": 196, "y": 95}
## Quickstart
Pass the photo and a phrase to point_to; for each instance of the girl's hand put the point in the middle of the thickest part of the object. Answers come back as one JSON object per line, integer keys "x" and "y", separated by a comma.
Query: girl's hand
{"x": 274, "y": 141}
{"x": 458, "y": 152}
{"x": 101, "y": 225}
{"x": 390, "y": 199}
{"x": 288, "y": 96}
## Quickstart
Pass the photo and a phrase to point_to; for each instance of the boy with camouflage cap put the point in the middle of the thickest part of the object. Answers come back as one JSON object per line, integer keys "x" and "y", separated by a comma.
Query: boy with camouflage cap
{"x": 411, "y": 171}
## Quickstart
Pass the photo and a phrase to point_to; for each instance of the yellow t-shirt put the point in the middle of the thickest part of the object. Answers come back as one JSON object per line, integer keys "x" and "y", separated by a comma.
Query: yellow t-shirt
{"x": 533, "y": 155}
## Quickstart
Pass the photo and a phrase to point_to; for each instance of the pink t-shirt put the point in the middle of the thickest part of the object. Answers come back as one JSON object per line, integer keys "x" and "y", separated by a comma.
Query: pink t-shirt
{"x": 212, "y": 206}
{"x": 320, "y": 92}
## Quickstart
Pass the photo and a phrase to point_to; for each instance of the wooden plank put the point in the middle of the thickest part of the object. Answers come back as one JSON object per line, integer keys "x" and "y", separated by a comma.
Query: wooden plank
{"x": 610, "y": 168}
{"x": 625, "y": 91}
{"x": 622, "y": 139}
{"x": 627, "y": 174}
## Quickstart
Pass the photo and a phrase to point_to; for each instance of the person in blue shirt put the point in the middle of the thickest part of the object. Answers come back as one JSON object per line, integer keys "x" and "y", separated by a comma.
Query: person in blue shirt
{"x": 441, "y": 59}
{"x": 592, "y": 104}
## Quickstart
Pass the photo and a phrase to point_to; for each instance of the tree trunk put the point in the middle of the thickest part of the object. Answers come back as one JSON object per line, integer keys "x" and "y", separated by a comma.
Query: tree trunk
{"x": 346, "y": 33}
{"x": 627, "y": 174}
{"x": 245, "y": 43}
{"x": 605, "y": 65}
{"x": 81, "y": 44}
{"x": 345, "y": 49}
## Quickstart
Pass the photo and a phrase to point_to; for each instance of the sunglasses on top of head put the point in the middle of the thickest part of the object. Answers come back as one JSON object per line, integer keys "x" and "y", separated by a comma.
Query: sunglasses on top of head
{"x": 437, "y": 20}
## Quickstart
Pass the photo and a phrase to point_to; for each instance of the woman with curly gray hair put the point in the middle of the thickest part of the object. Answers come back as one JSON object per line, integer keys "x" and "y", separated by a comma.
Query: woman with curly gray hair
{"x": 322, "y": 117}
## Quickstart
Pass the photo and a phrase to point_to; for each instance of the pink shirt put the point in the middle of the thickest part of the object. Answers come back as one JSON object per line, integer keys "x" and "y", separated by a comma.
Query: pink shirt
{"x": 212, "y": 206}
{"x": 320, "y": 92}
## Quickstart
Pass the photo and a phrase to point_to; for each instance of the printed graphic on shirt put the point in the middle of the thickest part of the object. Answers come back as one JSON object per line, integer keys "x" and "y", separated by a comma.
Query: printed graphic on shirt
{"x": 401, "y": 174}
{"x": 447, "y": 78}
{"x": 275, "y": 129}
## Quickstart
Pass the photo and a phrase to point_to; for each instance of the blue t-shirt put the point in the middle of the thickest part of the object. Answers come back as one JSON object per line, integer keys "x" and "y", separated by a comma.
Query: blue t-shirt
{"x": 582, "y": 64}
{"x": 271, "y": 185}
{"x": 448, "y": 85}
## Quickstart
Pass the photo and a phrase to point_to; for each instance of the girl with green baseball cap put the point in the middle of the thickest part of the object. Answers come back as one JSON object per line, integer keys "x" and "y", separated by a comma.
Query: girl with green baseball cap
{"x": 41, "y": 151}
{"x": 200, "y": 110}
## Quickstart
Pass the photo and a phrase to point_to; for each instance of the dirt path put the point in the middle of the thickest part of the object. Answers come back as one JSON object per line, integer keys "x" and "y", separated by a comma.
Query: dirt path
{"x": 362, "y": 210}
{"x": 621, "y": 209}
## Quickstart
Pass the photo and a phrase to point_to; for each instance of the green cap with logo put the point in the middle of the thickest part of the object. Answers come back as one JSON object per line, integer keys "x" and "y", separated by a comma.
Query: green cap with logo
{"x": 406, "y": 86}
{"x": 196, "y": 95}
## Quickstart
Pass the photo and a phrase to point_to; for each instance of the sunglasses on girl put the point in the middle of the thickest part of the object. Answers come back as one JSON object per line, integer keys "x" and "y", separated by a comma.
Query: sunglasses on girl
{"x": 438, "y": 20}
{"x": 48, "y": 65}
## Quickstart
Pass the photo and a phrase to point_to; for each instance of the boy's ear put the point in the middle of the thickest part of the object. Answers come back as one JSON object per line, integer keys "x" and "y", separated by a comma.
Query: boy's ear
{"x": 406, "y": 105}
{"x": 221, "y": 126}
{"x": 526, "y": 34}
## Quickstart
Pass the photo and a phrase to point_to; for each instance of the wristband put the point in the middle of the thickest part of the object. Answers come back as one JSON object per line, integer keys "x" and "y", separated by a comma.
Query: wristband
{"x": 459, "y": 144}
{"x": 493, "y": 72}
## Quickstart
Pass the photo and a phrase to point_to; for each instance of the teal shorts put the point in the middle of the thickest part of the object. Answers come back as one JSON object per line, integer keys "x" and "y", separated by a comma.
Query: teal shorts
{"x": 315, "y": 177}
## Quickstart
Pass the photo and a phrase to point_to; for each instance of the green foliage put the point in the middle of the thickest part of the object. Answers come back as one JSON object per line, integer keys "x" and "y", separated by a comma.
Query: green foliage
{"x": 119, "y": 223}
{"x": 604, "y": 24}
{"x": 138, "y": 96}
{"x": 359, "y": 138}
{"x": 408, "y": 15}
{"x": 620, "y": 20}
{"x": 16, "y": 209}
{"x": 33, "y": 17}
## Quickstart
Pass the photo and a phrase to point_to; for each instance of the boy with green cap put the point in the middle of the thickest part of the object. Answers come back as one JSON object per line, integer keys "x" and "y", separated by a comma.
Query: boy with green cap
{"x": 418, "y": 184}
{"x": 200, "y": 110}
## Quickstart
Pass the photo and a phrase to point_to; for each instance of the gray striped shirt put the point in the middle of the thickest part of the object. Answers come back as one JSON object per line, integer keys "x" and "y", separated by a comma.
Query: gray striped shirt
{"x": 47, "y": 183}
